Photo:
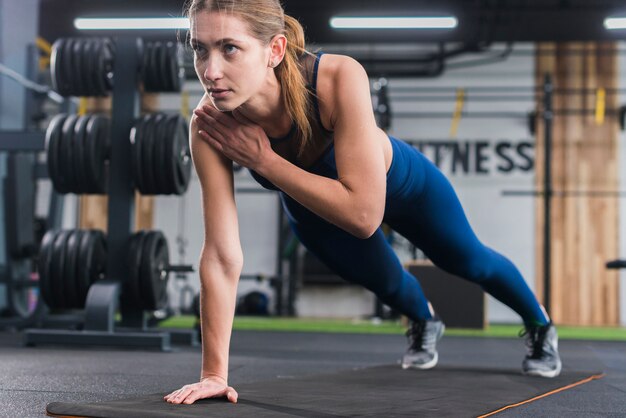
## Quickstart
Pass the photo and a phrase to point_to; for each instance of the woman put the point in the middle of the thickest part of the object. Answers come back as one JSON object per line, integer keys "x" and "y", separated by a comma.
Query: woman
{"x": 303, "y": 124}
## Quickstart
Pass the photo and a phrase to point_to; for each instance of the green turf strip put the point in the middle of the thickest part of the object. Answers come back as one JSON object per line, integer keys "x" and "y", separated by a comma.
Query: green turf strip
{"x": 389, "y": 327}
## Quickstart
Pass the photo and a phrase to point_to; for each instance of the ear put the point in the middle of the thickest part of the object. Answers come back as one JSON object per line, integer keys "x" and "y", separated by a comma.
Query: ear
{"x": 278, "y": 47}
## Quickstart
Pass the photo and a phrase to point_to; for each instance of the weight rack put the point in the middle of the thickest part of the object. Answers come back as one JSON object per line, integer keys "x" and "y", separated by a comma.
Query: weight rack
{"x": 103, "y": 298}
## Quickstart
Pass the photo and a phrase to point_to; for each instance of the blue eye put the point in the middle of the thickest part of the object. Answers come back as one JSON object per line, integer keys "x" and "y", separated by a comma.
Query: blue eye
{"x": 230, "y": 49}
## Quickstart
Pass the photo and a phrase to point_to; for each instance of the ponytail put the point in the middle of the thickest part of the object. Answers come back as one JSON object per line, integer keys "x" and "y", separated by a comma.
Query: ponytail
{"x": 293, "y": 86}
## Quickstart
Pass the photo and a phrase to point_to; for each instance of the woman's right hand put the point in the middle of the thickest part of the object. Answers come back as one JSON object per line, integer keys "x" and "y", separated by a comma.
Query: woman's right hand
{"x": 208, "y": 387}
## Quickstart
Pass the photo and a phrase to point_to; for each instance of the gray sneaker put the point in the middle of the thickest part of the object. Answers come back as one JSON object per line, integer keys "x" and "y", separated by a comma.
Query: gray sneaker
{"x": 423, "y": 336}
{"x": 543, "y": 355}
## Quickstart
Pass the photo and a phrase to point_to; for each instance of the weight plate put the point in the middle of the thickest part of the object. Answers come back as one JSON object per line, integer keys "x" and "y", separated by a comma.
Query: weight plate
{"x": 99, "y": 67}
{"x": 175, "y": 68}
{"x": 104, "y": 152}
{"x": 82, "y": 267}
{"x": 184, "y": 157}
{"x": 157, "y": 156}
{"x": 97, "y": 268}
{"x": 57, "y": 269}
{"x": 43, "y": 267}
{"x": 146, "y": 270}
{"x": 66, "y": 153}
{"x": 90, "y": 155}
{"x": 77, "y": 66}
{"x": 68, "y": 67}
{"x": 162, "y": 58}
{"x": 155, "y": 67}
{"x": 98, "y": 139}
{"x": 149, "y": 83}
{"x": 169, "y": 156}
{"x": 162, "y": 262}
{"x": 135, "y": 248}
{"x": 53, "y": 134}
{"x": 88, "y": 68}
{"x": 80, "y": 131}
{"x": 56, "y": 66}
{"x": 69, "y": 275}
{"x": 108, "y": 59}
{"x": 153, "y": 275}
{"x": 147, "y": 148}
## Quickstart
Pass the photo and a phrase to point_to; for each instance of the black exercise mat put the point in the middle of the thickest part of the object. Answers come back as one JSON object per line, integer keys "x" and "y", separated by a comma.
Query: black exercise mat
{"x": 384, "y": 391}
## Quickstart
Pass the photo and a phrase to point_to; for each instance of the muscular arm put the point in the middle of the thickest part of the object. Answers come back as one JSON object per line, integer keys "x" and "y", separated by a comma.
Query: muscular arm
{"x": 355, "y": 201}
{"x": 221, "y": 259}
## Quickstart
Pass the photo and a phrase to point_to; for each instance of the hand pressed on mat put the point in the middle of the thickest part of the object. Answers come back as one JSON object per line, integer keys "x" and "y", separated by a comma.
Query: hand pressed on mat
{"x": 207, "y": 387}
{"x": 237, "y": 137}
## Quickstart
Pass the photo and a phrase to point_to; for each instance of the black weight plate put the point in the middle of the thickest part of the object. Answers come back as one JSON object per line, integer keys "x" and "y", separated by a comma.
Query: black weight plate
{"x": 99, "y": 67}
{"x": 57, "y": 269}
{"x": 135, "y": 249}
{"x": 146, "y": 270}
{"x": 161, "y": 276}
{"x": 174, "y": 65}
{"x": 179, "y": 185}
{"x": 66, "y": 153}
{"x": 97, "y": 268}
{"x": 69, "y": 275}
{"x": 147, "y": 149}
{"x": 151, "y": 72}
{"x": 109, "y": 62}
{"x": 151, "y": 270}
{"x": 80, "y": 131}
{"x": 166, "y": 64}
{"x": 135, "y": 151}
{"x": 103, "y": 147}
{"x": 85, "y": 251}
{"x": 162, "y": 58}
{"x": 157, "y": 156}
{"x": 56, "y": 66}
{"x": 155, "y": 66}
{"x": 147, "y": 129}
{"x": 53, "y": 135}
{"x": 68, "y": 67}
{"x": 43, "y": 267}
{"x": 77, "y": 65}
{"x": 184, "y": 158}
{"x": 88, "y": 68}
{"x": 169, "y": 161}
{"x": 97, "y": 138}
{"x": 90, "y": 156}
{"x": 145, "y": 76}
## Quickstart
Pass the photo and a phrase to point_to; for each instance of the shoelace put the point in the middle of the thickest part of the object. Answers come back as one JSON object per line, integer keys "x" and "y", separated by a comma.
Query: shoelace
{"x": 534, "y": 341}
{"x": 415, "y": 334}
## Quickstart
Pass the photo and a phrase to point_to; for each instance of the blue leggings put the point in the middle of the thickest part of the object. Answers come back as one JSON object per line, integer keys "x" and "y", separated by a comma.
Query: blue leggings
{"x": 422, "y": 206}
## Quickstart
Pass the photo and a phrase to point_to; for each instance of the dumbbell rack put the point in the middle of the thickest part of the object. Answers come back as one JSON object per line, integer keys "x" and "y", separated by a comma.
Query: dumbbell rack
{"x": 103, "y": 297}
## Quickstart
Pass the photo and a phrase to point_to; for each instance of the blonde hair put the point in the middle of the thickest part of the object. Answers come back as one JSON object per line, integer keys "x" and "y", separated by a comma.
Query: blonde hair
{"x": 266, "y": 19}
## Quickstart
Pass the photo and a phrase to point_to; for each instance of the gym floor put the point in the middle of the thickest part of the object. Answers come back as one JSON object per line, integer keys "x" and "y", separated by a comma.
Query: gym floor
{"x": 32, "y": 377}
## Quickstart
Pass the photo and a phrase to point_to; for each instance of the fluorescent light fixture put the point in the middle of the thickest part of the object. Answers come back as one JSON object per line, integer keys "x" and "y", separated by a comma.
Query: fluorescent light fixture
{"x": 615, "y": 23}
{"x": 130, "y": 23}
{"x": 448, "y": 22}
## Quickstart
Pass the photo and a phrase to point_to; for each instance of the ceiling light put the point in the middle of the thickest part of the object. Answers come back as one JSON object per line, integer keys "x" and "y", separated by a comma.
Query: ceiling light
{"x": 131, "y": 23}
{"x": 615, "y": 23}
{"x": 448, "y": 22}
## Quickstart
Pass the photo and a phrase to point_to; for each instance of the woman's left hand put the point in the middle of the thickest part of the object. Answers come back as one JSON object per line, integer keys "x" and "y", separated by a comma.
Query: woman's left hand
{"x": 238, "y": 138}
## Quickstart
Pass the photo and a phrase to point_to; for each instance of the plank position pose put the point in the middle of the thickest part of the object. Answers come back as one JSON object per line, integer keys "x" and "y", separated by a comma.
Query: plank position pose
{"x": 303, "y": 124}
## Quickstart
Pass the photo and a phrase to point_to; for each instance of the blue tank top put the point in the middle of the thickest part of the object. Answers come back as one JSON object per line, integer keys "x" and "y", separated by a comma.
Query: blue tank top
{"x": 324, "y": 165}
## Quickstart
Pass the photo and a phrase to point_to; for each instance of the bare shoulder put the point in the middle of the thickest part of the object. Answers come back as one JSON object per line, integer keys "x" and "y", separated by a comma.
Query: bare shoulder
{"x": 337, "y": 76}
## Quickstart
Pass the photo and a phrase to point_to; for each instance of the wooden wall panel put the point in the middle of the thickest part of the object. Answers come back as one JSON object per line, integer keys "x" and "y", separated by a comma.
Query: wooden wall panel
{"x": 584, "y": 158}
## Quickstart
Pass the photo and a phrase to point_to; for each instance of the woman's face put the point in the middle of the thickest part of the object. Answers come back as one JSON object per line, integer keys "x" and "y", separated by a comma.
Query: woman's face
{"x": 231, "y": 64}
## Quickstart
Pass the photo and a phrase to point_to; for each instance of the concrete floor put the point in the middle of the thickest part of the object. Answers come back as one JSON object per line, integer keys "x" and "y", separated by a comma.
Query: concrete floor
{"x": 31, "y": 377}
